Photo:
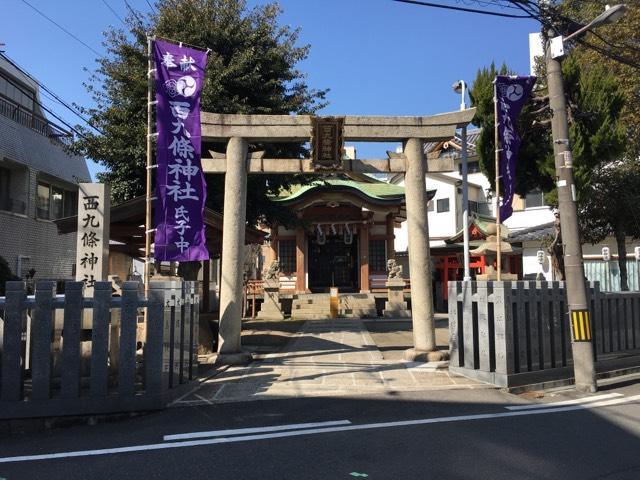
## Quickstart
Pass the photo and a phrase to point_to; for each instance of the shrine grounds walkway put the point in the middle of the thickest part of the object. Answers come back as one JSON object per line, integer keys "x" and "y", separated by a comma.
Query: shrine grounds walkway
{"x": 334, "y": 357}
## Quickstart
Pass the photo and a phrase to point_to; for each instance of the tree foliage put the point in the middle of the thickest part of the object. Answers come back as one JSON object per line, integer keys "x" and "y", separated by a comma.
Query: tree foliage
{"x": 531, "y": 172}
{"x": 610, "y": 208}
{"x": 252, "y": 68}
{"x": 594, "y": 103}
{"x": 618, "y": 40}
{"x": 5, "y": 275}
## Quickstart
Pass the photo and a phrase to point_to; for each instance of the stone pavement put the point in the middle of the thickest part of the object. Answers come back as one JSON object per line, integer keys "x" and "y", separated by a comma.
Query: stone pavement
{"x": 335, "y": 357}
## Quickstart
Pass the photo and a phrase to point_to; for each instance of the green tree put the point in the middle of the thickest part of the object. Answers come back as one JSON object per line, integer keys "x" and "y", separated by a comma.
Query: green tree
{"x": 612, "y": 43}
{"x": 596, "y": 135}
{"x": 251, "y": 69}
{"x": 5, "y": 275}
{"x": 609, "y": 208}
{"x": 531, "y": 173}
{"x": 594, "y": 102}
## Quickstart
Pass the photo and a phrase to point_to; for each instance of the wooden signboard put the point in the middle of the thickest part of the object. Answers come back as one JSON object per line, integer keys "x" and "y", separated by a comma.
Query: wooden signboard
{"x": 327, "y": 142}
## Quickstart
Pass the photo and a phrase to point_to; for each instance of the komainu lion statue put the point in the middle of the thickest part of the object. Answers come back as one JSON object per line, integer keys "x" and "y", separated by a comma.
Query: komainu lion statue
{"x": 272, "y": 273}
{"x": 395, "y": 270}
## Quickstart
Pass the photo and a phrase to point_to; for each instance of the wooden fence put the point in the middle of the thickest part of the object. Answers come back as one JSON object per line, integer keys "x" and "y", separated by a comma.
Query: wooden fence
{"x": 517, "y": 333}
{"x": 71, "y": 355}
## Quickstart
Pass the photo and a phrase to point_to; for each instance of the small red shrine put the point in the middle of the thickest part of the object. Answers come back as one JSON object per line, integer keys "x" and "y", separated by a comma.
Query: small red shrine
{"x": 448, "y": 259}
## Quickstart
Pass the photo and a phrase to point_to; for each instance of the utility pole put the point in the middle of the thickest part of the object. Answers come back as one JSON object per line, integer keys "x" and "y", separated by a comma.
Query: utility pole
{"x": 575, "y": 286}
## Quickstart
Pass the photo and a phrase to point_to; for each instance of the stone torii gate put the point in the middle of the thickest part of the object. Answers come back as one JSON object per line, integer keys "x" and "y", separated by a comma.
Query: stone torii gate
{"x": 238, "y": 131}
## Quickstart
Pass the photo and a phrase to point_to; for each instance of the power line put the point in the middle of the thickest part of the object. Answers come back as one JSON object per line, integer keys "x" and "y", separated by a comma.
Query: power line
{"x": 529, "y": 7}
{"x": 461, "y": 9}
{"x": 47, "y": 90}
{"x": 151, "y": 6}
{"x": 133, "y": 12}
{"x": 488, "y": 3}
{"x": 62, "y": 28}
{"x": 114, "y": 12}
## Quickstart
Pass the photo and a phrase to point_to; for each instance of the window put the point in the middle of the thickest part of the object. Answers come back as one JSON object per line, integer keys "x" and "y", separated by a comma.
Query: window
{"x": 70, "y": 201}
{"x": 54, "y": 202}
{"x": 16, "y": 93}
{"x": 533, "y": 199}
{"x": 5, "y": 183}
{"x": 378, "y": 255}
{"x": 287, "y": 256}
{"x": 442, "y": 205}
{"x": 42, "y": 202}
{"x": 430, "y": 206}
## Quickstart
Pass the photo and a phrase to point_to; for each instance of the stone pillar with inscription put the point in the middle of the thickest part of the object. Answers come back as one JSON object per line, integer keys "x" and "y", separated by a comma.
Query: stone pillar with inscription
{"x": 92, "y": 244}
{"x": 92, "y": 255}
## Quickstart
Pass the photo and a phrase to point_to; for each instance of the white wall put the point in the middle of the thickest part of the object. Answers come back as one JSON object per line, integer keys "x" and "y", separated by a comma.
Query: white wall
{"x": 529, "y": 217}
{"x": 530, "y": 265}
{"x": 443, "y": 224}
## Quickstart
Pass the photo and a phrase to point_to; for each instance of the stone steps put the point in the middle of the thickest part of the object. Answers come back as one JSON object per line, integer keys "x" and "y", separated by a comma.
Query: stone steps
{"x": 318, "y": 306}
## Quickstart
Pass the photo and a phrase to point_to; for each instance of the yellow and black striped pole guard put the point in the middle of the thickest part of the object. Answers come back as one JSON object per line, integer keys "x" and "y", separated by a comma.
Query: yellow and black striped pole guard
{"x": 581, "y": 325}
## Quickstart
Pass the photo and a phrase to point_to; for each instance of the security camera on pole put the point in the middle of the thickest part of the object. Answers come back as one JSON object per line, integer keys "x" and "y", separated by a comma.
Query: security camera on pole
{"x": 583, "y": 364}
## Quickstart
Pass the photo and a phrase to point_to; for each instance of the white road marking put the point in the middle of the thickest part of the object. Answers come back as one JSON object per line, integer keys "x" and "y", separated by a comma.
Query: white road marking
{"x": 315, "y": 431}
{"x": 577, "y": 401}
{"x": 244, "y": 431}
{"x": 204, "y": 399}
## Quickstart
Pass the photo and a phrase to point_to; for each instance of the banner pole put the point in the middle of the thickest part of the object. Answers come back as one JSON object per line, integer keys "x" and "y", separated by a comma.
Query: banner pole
{"x": 497, "y": 167}
{"x": 147, "y": 223}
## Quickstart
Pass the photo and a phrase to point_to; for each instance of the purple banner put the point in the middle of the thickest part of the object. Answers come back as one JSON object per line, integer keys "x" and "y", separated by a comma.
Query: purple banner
{"x": 511, "y": 94}
{"x": 181, "y": 189}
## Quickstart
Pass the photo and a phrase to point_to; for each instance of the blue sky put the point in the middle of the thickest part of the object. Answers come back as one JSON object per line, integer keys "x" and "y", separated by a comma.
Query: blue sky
{"x": 378, "y": 57}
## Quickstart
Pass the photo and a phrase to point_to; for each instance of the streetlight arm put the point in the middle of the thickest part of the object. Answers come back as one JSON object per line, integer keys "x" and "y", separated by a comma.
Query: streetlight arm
{"x": 610, "y": 15}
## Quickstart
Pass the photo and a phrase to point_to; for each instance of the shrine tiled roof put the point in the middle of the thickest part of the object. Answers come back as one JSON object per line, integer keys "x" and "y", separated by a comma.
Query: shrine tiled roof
{"x": 482, "y": 223}
{"x": 375, "y": 190}
{"x": 472, "y": 139}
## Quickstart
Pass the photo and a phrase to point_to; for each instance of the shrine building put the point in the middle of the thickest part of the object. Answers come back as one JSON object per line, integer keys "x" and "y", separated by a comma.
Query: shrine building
{"x": 343, "y": 237}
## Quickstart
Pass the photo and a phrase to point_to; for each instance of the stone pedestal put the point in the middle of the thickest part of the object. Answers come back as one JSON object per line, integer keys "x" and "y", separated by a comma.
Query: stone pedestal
{"x": 271, "y": 308}
{"x": 395, "y": 307}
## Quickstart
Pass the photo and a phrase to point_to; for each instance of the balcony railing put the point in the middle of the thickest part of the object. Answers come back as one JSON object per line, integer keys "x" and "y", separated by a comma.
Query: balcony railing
{"x": 18, "y": 113}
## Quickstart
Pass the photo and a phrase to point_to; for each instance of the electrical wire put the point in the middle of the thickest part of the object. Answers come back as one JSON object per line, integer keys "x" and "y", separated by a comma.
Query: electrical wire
{"x": 528, "y": 6}
{"x": 62, "y": 28}
{"x": 151, "y": 6}
{"x": 488, "y": 3}
{"x": 461, "y": 9}
{"x": 133, "y": 12}
{"x": 48, "y": 91}
{"x": 114, "y": 12}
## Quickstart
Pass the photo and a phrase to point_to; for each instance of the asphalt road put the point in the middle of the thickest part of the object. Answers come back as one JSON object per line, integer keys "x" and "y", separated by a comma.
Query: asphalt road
{"x": 448, "y": 434}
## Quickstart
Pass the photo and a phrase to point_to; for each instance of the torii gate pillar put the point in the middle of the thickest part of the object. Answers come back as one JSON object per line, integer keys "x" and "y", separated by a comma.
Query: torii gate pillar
{"x": 424, "y": 339}
{"x": 233, "y": 230}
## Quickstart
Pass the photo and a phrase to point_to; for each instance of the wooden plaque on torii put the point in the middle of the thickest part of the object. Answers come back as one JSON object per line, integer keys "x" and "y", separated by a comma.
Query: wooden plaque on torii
{"x": 327, "y": 142}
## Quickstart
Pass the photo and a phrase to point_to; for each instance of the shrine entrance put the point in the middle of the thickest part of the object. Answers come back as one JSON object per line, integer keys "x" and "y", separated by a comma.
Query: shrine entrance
{"x": 242, "y": 133}
{"x": 333, "y": 264}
